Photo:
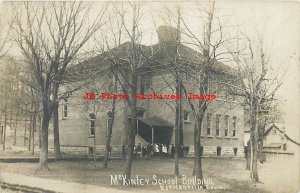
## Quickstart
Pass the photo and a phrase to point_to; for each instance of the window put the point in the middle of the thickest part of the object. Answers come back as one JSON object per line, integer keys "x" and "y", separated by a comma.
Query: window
{"x": 218, "y": 125}
{"x": 65, "y": 109}
{"x": 284, "y": 146}
{"x": 219, "y": 149}
{"x": 91, "y": 151}
{"x": 208, "y": 131}
{"x": 235, "y": 151}
{"x": 92, "y": 124}
{"x": 186, "y": 116}
{"x": 234, "y": 134}
{"x": 208, "y": 116}
{"x": 274, "y": 131}
{"x": 226, "y": 125}
{"x": 92, "y": 127}
{"x": 140, "y": 111}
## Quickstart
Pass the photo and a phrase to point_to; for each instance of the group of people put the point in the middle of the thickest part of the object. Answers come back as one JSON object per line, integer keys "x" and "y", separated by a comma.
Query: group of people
{"x": 154, "y": 150}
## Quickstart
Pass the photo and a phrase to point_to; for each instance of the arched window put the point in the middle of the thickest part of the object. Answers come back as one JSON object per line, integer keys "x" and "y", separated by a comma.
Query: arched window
{"x": 226, "y": 125}
{"x": 92, "y": 124}
{"x": 186, "y": 116}
{"x": 65, "y": 109}
{"x": 208, "y": 131}
{"x": 234, "y": 129}
{"x": 218, "y": 124}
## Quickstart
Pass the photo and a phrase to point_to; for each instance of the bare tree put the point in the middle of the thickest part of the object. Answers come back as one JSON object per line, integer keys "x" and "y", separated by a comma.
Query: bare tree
{"x": 50, "y": 35}
{"x": 258, "y": 87}
{"x": 110, "y": 122}
{"x": 126, "y": 62}
{"x": 209, "y": 42}
{"x": 4, "y": 38}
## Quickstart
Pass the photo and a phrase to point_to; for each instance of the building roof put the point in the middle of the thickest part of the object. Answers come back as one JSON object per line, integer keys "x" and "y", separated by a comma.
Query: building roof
{"x": 281, "y": 131}
{"x": 273, "y": 145}
{"x": 155, "y": 55}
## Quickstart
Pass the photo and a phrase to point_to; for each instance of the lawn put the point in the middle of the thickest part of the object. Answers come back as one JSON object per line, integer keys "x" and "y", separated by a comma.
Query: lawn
{"x": 225, "y": 173}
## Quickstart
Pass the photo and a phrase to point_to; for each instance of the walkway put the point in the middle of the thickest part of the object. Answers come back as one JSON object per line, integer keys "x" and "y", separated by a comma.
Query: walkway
{"x": 50, "y": 186}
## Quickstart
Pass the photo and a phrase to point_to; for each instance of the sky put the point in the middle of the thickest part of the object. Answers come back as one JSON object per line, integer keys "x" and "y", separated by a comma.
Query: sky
{"x": 278, "y": 22}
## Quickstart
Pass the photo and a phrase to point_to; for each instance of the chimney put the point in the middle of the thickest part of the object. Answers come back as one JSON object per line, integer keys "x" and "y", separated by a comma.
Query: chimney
{"x": 168, "y": 35}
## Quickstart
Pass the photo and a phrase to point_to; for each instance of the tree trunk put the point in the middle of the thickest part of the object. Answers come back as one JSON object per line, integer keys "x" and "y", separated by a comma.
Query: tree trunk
{"x": 202, "y": 105}
{"x": 30, "y": 132}
{"x": 248, "y": 155}
{"x": 177, "y": 132}
{"x": 25, "y": 131}
{"x": 110, "y": 122}
{"x": 108, "y": 139}
{"x": 33, "y": 131}
{"x": 261, "y": 132}
{"x": 1, "y": 134}
{"x": 180, "y": 125}
{"x": 15, "y": 132}
{"x": 11, "y": 118}
{"x": 44, "y": 137}
{"x": 56, "y": 132}
{"x": 133, "y": 127}
{"x": 1, "y": 130}
{"x": 129, "y": 156}
{"x": 40, "y": 130}
{"x": 4, "y": 132}
{"x": 176, "y": 155}
{"x": 197, "y": 144}
{"x": 254, "y": 171}
{"x": 56, "y": 122}
{"x": 254, "y": 142}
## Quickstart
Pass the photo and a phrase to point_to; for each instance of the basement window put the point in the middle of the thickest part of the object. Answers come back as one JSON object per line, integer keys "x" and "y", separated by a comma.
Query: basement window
{"x": 235, "y": 151}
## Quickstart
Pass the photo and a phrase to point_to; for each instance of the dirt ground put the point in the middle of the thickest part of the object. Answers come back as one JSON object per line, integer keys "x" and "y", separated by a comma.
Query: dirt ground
{"x": 225, "y": 173}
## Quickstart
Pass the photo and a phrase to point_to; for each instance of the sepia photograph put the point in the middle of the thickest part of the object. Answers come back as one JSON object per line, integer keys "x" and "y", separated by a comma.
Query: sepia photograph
{"x": 150, "y": 96}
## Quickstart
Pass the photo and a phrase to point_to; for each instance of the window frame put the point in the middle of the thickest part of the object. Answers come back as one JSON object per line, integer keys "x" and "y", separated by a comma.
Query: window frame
{"x": 208, "y": 124}
{"x": 234, "y": 127}
{"x": 187, "y": 120}
{"x": 226, "y": 131}
{"x": 92, "y": 128}
{"x": 65, "y": 109}
{"x": 218, "y": 125}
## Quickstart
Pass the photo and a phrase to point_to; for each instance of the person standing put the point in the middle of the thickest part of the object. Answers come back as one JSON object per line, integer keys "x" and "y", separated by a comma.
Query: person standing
{"x": 144, "y": 151}
{"x": 149, "y": 150}
{"x": 172, "y": 150}
{"x": 139, "y": 150}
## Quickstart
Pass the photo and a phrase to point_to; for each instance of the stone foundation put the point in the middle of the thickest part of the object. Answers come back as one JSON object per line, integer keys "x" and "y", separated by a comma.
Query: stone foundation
{"x": 208, "y": 151}
{"x": 211, "y": 151}
{"x": 87, "y": 150}
{"x": 74, "y": 150}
